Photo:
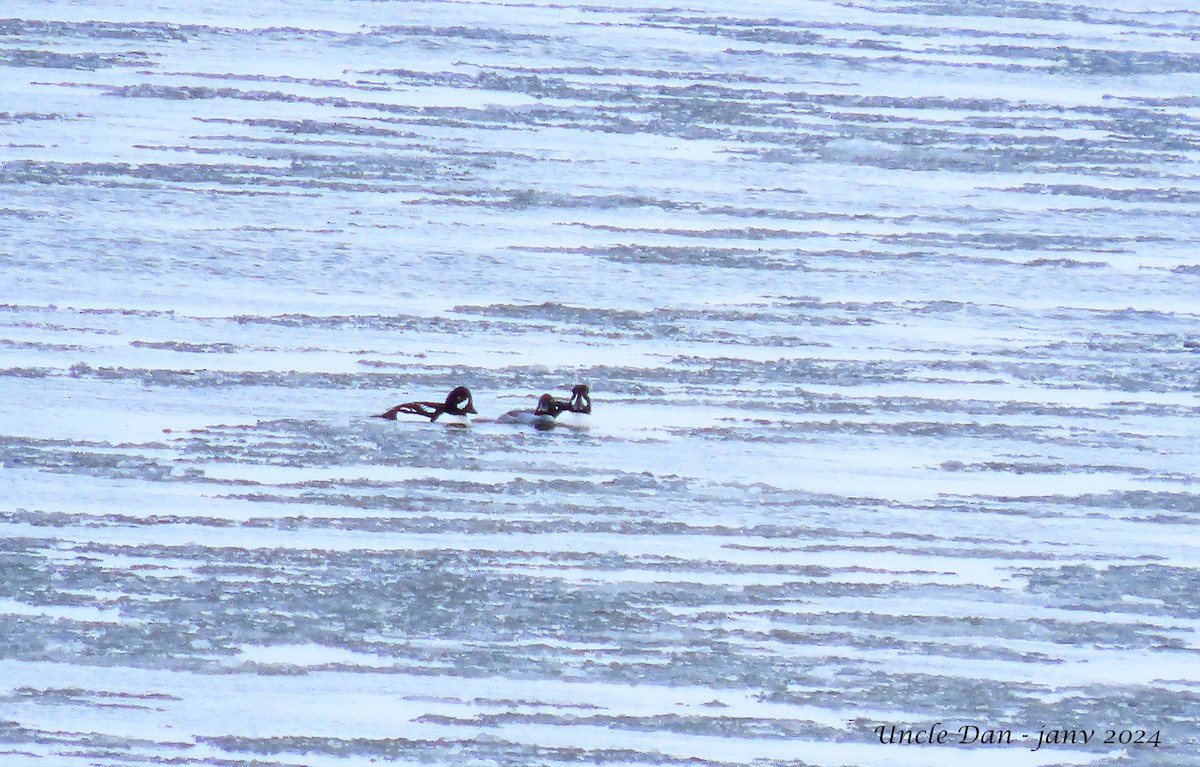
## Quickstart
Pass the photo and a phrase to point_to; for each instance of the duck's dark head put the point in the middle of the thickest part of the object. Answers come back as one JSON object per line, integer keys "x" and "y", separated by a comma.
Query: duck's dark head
{"x": 459, "y": 401}
{"x": 581, "y": 399}
{"x": 547, "y": 405}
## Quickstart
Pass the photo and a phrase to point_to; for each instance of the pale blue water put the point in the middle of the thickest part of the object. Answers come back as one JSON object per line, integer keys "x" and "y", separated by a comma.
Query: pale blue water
{"x": 888, "y": 310}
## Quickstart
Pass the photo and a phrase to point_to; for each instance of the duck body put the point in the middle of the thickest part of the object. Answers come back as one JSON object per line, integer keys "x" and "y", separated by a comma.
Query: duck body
{"x": 455, "y": 411}
{"x": 541, "y": 418}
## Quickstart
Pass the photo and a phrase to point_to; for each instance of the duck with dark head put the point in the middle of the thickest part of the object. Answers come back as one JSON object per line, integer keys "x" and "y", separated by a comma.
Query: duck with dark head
{"x": 577, "y": 411}
{"x": 457, "y": 408}
{"x": 541, "y": 417}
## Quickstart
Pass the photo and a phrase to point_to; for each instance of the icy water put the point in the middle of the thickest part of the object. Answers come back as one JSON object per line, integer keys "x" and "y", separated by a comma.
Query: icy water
{"x": 888, "y": 310}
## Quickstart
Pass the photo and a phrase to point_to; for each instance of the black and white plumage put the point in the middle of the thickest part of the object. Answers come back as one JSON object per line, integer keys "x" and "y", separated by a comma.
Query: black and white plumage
{"x": 573, "y": 413}
{"x": 541, "y": 417}
{"x": 456, "y": 409}
{"x": 576, "y": 412}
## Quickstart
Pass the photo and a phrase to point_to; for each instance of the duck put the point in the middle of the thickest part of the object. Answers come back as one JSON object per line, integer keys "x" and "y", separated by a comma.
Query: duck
{"x": 457, "y": 408}
{"x": 576, "y": 412}
{"x": 541, "y": 417}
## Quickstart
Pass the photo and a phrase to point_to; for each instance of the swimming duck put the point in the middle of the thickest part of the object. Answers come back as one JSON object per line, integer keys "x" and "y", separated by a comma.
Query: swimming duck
{"x": 541, "y": 418}
{"x": 456, "y": 409}
{"x": 577, "y": 411}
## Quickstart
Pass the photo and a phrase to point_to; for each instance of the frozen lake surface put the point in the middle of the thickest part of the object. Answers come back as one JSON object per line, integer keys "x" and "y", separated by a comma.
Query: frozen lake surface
{"x": 888, "y": 309}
